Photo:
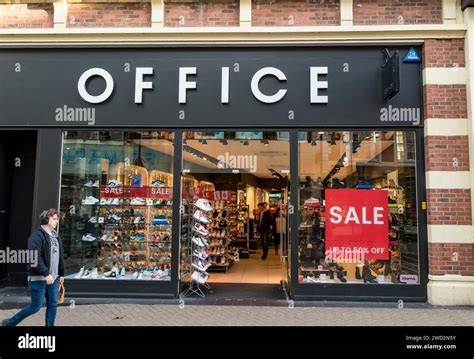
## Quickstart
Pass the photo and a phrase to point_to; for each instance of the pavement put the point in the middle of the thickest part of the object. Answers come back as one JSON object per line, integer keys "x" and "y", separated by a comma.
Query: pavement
{"x": 183, "y": 314}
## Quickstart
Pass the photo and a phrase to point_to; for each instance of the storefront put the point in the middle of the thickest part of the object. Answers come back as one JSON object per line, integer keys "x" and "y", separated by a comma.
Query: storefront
{"x": 158, "y": 159}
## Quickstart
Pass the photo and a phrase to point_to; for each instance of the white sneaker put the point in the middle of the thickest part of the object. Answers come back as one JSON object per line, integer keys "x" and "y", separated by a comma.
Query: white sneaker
{"x": 93, "y": 220}
{"x": 137, "y": 202}
{"x": 157, "y": 183}
{"x": 197, "y": 277}
{"x": 103, "y": 201}
{"x": 95, "y": 273}
{"x": 112, "y": 274}
{"x": 135, "y": 275}
{"x": 197, "y": 241}
{"x": 80, "y": 274}
{"x": 204, "y": 205}
{"x": 201, "y": 217}
{"x": 199, "y": 255}
{"x": 136, "y": 220}
{"x": 115, "y": 202}
{"x": 88, "y": 237}
{"x": 114, "y": 183}
{"x": 115, "y": 217}
{"x": 199, "y": 228}
{"x": 89, "y": 183}
{"x": 90, "y": 200}
{"x": 200, "y": 266}
{"x": 140, "y": 276}
{"x": 122, "y": 272}
{"x": 149, "y": 202}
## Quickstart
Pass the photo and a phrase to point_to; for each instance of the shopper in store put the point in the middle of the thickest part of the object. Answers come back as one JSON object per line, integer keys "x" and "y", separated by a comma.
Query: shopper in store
{"x": 45, "y": 276}
{"x": 266, "y": 227}
{"x": 280, "y": 227}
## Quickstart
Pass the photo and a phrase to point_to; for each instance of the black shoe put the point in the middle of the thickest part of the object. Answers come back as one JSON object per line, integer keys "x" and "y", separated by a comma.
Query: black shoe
{"x": 340, "y": 275}
{"x": 264, "y": 257}
{"x": 357, "y": 273}
{"x": 368, "y": 277}
{"x": 5, "y": 323}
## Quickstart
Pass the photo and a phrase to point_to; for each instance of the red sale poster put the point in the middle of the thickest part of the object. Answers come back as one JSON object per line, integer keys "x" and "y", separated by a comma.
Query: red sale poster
{"x": 356, "y": 224}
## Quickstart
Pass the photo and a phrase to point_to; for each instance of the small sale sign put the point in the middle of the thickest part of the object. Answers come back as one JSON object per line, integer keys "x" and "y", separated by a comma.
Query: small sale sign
{"x": 356, "y": 224}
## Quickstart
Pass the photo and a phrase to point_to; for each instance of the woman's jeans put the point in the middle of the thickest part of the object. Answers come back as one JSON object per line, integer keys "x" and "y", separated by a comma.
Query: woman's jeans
{"x": 39, "y": 290}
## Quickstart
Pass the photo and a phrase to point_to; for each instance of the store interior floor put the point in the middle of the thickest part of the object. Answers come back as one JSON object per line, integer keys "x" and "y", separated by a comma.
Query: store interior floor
{"x": 252, "y": 270}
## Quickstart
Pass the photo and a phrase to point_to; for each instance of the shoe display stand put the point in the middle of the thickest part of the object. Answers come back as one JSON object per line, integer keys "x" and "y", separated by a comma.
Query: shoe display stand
{"x": 199, "y": 248}
{"x": 132, "y": 230}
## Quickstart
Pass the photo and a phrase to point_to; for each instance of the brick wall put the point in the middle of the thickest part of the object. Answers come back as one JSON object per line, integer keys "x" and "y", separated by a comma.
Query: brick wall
{"x": 445, "y": 101}
{"x": 26, "y": 15}
{"x": 441, "y": 151}
{"x": 202, "y": 13}
{"x": 451, "y": 258}
{"x": 449, "y": 206}
{"x": 397, "y": 12}
{"x": 443, "y": 53}
{"x": 109, "y": 15}
{"x": 295, "y": 12}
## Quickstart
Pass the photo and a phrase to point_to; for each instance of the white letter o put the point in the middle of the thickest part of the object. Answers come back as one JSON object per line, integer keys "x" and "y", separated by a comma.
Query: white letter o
{"x": 109, "y": 85}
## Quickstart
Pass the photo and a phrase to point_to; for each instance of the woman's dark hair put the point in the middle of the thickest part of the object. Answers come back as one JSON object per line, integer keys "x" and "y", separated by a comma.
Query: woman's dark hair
{"x": 47, "y": 214}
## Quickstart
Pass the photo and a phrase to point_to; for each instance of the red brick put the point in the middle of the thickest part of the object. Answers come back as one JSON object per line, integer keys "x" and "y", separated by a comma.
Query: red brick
{"x": 26, "y": 15}
{"x": 464, "y": 265}
{"x": 397, "y": 12}
{"x": 452, "y": 208}
{"x": 295, "y": 12}
{"x": 440, "y": 152}
{"x": 202, "y": 13}
{"x": 109, "y": 15}
{"x": 445, "y": 101}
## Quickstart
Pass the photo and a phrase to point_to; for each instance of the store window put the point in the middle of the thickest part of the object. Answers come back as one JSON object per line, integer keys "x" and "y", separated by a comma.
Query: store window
{"x": 357, "y": 207}
{"x": 116, "y": 204}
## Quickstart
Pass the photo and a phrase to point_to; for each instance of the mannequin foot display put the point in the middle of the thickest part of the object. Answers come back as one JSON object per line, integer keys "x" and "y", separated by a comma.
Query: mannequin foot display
{"x": 357, "y": 273}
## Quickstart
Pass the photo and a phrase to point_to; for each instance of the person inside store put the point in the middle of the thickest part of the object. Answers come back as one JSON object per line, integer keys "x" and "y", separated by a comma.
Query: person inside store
{"x": 265, "y": 227}
{"x": 280, "y": 227}
{"x": 47, "y": 273}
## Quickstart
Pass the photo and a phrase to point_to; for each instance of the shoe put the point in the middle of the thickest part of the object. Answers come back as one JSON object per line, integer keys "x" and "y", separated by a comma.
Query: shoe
{"x": 203, "y": 204}
{"x": 88, "y": 237}
{"x": 357, "y": 273}
{"x": 367, "y": 276}
{"x": 199, "y": 228}
{"x": 200, "y": 255}
{"x": 90, "y": 200}
{"x": 95, "y": 273}
{"x": 112, "y": 273}
{"x": 264, "y": 257}
{"x": 89, "y": 183}
{"x": 93, "y": 220}
{"x": 114, "y": 183}
{"x": 140, "y": 276}
{"x": 199, "y": 265}
{"x": 115, "y": 201}
{"x": 197, "y": 241}
{"x": 201, "y": 217}
{"x": 137, "y": 202}
{"x": 5, "y": 323}
{"x": 135, "y": 275}
{"x": 197, "y": 277}
{"x": 80, "y": 274}
{"x": 122, "y": 272}
{"x": 340, "y": 276}
{"x": 157, "y": 183}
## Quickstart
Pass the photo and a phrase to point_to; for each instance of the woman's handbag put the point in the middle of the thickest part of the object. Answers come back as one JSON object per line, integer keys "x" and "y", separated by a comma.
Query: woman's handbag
{"x": 61, "y": 293}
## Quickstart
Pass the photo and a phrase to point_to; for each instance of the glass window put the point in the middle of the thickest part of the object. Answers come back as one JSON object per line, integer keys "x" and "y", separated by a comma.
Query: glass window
{"x": 116, "y": 204}
{"x": 357, "y": 207}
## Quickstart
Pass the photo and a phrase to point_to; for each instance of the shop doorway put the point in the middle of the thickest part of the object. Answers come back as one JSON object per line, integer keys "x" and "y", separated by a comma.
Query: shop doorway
{"x": 234, "y": 227}
{"x": 17, "y": 173}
